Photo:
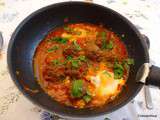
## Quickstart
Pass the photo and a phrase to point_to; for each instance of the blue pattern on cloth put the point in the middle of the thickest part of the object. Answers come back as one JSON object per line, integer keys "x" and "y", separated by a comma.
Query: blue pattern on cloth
{"x": 46, "y": 116}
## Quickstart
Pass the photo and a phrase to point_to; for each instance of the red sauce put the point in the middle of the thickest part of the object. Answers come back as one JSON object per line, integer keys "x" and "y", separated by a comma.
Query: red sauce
{"x": 69, "y": 58}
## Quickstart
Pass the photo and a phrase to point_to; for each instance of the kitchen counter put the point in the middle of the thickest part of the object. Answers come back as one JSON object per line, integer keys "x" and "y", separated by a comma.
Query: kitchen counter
{"x": 145, "y": 14}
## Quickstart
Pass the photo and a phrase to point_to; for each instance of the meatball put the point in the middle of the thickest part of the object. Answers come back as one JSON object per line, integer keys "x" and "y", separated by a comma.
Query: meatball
{"x": 69, "y": 51}
{"x": 94, "y": 55}
{"x": 54, "y": 74}
{"x": 74, "y": 74}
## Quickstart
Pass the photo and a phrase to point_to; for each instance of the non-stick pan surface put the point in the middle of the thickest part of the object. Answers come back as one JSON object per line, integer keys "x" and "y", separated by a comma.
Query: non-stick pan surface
{"x": 33, "y": 29}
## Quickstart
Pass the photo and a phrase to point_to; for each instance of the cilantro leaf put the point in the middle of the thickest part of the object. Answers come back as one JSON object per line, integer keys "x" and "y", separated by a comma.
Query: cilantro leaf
{"x": 87, "y": 98}
{"x": 104, "y": 44}
{"x": 69, "y": 58}
{"x": 56, "y": 62}
{"x": 77, "y": 88}
{"x": 118, "y": 70}
{"x": 82, "y": 58}
{"x": 107, "y": 73}
{"x": 58, "y": 39}
{"x": 75, "y": 63}
{"x": 109, "y": 45}
{"x": 53, "y": 49}
{"x": 130, "y": 61}
{"x": 78, "y": 47}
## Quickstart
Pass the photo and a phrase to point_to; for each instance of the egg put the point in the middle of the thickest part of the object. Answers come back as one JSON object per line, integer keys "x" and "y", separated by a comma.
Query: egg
{"x": 105, "y": 84}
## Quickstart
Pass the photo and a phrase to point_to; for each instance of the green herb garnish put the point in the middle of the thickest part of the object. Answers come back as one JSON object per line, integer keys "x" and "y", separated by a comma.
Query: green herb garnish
{"x": 78, "y": 32}
{"x": 56, "y": 62}
{"x": 88, "y": 92}
{"x": 71, "y": 30}
{"x": 82, "y": 58}
{"x": 130, "y": 61}
{"x": 126, "y": 65}
{"x": 118, "y": 70}
{"x": 107, "y": 73}
{"x": 75, "y": 63}
{"x": 77, "y": 88}
{"x": 109, "y": 45}
{"x": 53, "y": 49}
{"x": 68, "y": 29}
{"x": 77, "y": 45}
{"x": 69, "y": 58}
{"x": 104, "y": 44}
{"x": 58, "y": 39}
{"x": 87, "y": 98}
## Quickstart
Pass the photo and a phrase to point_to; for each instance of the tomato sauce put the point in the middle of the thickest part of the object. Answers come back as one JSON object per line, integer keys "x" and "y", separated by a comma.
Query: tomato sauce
{"x": 82, "y": 65}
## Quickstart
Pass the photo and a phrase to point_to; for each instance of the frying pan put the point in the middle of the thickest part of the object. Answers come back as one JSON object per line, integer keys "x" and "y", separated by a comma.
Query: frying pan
{"x": 35, "y": 27}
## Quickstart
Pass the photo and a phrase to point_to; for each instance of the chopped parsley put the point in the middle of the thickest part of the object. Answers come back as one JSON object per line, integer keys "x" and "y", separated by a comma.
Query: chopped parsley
{"x": 69, "y": 58}
{"x": 88, "y": 92}
{"x": 71, "y": 30}
{"x": 58, "y": 39}
{"x": 118, "y": 70}
{"x": 68, "y": 29}
{"x": 77, "y": 88}
{"x": 109, "y": 45}
{"x": 53, "y": 49}
{"x": 82, "y": 58}
{"x": 119, "y": 67}
{"x": 75, "y": 63}
{"x": 104, "y": 44}
{"x": 107, "y": 73}
{"x": 77, "y": 91}
{"x": 56, "y": 62}
{"x": 78, "y": 32}
{"x": 130, "y": 61}
{"x": 87, "y": 98}
{"x": 78, "y": 47}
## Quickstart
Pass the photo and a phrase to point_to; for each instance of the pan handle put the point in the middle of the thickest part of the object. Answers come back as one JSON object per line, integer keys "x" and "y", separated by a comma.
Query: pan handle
{"x": 154, "y": 72}
{"x": 154, "y": 76}
{"x": 149, "y": 75}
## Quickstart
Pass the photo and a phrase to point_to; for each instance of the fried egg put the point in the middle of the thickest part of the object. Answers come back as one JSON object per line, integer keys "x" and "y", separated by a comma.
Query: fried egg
{"x": 105, "y": 84}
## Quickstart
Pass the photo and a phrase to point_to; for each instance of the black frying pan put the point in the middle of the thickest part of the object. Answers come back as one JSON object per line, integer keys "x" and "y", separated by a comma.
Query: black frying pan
{"x": 33, "y": 29}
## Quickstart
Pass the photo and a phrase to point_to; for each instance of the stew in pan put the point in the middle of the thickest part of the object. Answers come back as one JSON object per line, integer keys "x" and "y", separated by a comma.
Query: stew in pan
{"x": 82, "y": 65}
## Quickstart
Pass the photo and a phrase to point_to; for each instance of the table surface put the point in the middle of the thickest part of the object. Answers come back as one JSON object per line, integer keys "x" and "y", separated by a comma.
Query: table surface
{"x": 145, "y": 14}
